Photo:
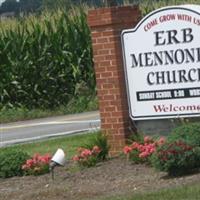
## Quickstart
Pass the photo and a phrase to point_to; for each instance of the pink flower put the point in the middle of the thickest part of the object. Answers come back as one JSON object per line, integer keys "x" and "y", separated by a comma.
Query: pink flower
{"x": 45, "y": 159}
{"x": 148, "y": 139}
{"x": 127, "y": 150}
{"x": 135, "y": 145}
{"x": 86, "y": 153}
{"x": 161, "y": 141}
{"x": 75, "y": 158}
{"x": 29, "y": 162}
{"x": 141, "y": 148}
{"x": 87, "y": 157}
{"x": 143, "y": 154}
{"x": 37, "y": 162}
{"x": 96, "y": 150}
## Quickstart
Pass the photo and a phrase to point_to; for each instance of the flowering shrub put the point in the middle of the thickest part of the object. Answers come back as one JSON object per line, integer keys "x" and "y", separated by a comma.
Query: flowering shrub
{"x": 87, "y": 157}
{"x": 176, "y": 158}
{"x": 99, "y": 140}
{"x": 37, "y": 165}
{"x": 140, "y": 152}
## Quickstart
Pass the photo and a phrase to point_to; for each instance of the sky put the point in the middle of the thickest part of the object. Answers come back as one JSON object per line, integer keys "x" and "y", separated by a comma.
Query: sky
{"x": 1, "y": 1}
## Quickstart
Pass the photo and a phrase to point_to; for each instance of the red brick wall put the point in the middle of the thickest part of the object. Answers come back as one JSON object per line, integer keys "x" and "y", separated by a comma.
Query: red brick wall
{"x": 106, "y": 25}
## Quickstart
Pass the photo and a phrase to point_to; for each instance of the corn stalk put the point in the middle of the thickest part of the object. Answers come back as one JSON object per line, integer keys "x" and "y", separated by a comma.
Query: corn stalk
{"x": 45, "y": 59}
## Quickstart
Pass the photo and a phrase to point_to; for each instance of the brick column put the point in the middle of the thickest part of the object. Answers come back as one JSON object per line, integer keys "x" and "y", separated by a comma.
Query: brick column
{"x": 106, "y": 25}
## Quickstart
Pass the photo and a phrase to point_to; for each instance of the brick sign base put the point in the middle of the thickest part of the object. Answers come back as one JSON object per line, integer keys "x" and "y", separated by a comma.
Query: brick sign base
{"x": 106, "y": 25}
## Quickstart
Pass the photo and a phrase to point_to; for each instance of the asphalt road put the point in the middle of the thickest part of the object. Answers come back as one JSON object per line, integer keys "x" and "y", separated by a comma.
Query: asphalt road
{"x": 25, "y": 131}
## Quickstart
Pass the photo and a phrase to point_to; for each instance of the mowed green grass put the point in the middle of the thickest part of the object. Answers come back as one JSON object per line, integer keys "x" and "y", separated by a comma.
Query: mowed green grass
{"x": 69, "y": 144}
{"x": 191, "y": 192}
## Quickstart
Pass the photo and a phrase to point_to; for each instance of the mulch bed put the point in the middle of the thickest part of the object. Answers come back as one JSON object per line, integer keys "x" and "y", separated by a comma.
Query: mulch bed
{"x": 110, "y": 178}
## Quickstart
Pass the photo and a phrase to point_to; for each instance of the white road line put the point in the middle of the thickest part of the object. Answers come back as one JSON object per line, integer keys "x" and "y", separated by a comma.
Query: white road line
{"x": 48, "y": 123}
{"x": 17, "y": 141}
{"x": 88, "y": 115}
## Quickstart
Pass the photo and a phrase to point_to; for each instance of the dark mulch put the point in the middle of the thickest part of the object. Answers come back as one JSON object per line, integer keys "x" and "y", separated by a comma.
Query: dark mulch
{"x": 111, "y": 178}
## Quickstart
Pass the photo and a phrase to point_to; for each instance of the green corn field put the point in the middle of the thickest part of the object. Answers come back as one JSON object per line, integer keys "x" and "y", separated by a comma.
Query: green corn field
{"x": 147, "y": 6}
{"x": 45, "y": 61}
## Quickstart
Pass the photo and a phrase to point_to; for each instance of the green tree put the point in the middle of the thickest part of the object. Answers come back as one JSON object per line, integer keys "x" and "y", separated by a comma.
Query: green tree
{"x": 9, "y": 6}
{"x": 54, "y": 4}
{"x": 30, "y": 5}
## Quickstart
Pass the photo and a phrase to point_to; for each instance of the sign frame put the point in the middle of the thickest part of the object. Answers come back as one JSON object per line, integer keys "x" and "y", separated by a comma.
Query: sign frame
{"x": 150, "y": 94}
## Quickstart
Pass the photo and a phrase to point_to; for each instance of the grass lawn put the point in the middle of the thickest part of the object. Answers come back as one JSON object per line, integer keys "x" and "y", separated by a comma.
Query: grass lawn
{"x": 69, "y": 144}
{"x": 191, "y": 192}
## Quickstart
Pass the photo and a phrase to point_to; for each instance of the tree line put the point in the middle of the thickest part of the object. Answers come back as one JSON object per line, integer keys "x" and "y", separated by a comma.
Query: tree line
{"x": 17, "y": 6}
{"x": 33, "y": 6}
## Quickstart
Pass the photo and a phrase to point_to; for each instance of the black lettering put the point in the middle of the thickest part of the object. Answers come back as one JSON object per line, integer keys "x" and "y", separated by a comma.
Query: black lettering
{"x": 158, "y": 59}
{"x": 171, "y": 77}
{"x": 189, "y": 56}
{"x": 198, "y": 54}
{"x": 190, "y": 75}
{"x": 149, "y": 81}
{"x": 198, "y": 74}
{"x": 182, "y": 77}
{"x": 187, "y": 35}
{"x": 136, "y": 62}
{"x": 179, "y": 59}
{"x": 169, "y": 57}
{"x": 159, "y": 39}
{"x": 148, "y": 60}
{"x": 160, "y": 77}
{"x": 172, "y": 37}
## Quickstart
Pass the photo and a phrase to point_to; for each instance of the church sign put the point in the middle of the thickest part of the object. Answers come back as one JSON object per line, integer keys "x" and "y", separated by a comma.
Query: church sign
{"x": 162, "y": 64}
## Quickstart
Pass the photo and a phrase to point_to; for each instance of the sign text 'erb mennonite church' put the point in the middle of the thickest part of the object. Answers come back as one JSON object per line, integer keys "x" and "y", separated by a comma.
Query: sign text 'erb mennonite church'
{"x": 162, "y": 64}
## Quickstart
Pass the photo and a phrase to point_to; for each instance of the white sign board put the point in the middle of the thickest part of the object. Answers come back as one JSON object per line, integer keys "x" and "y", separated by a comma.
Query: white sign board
{"x": 162, "y": 64}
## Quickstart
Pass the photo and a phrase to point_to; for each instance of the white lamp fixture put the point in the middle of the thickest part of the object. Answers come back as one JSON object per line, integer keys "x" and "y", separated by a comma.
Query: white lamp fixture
{"x": 58, "y": 159}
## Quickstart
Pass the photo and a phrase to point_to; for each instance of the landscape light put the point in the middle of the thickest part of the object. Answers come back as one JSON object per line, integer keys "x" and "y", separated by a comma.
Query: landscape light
{"x": 57, "y": 160}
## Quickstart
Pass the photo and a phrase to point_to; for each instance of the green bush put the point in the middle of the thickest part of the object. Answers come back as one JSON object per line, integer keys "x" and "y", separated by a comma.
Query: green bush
{"x": 188, "y": 133}
{"x": 181, "y": 153}
{"x": 176, "y": 158}
{"x": 11, "y": 162}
